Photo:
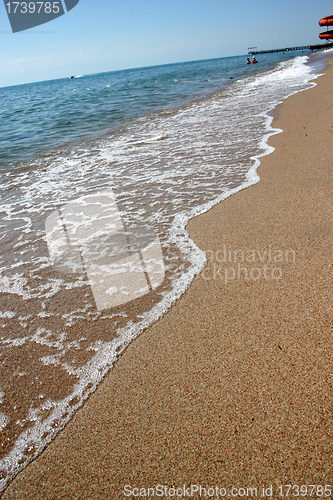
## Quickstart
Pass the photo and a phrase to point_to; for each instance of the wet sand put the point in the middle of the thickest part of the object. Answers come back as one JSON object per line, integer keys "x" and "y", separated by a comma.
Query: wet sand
{"x": 233, "y": 387}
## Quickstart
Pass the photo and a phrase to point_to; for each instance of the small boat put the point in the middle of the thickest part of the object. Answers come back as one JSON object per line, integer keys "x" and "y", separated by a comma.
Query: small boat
{"x": 326, "y": 21}
{"x": 326, "y": 35}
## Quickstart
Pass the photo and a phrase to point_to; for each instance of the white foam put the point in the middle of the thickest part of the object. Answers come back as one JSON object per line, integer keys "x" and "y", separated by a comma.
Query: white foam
{"x": 3, "y": 418}
{"x": 7, "y": 314}
{"x": 14, "y": 285}
{"x": 3, "y": 421}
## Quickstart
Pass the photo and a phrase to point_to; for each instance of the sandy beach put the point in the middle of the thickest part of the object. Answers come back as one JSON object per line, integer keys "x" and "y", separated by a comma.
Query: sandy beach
{"x": 232, "y": 388}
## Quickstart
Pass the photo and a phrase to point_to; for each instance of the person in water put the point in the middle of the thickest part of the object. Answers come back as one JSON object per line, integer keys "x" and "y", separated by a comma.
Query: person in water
{"x": 254, "y": 60}
{"x": 248, "y": 61}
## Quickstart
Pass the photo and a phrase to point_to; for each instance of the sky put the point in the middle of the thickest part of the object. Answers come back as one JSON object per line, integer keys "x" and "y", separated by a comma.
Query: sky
{"x": 104, "y": 35}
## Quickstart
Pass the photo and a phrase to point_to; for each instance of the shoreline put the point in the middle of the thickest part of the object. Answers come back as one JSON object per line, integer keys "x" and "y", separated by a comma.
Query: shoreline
{"x": 217, "y": 400}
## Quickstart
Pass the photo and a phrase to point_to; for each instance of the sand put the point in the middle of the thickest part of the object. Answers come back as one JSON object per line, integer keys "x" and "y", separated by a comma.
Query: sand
{"x": 233, "y": 387}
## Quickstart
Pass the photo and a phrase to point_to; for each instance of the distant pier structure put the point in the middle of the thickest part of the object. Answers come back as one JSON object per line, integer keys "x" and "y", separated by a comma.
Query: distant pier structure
{"x": 254, "y": 50}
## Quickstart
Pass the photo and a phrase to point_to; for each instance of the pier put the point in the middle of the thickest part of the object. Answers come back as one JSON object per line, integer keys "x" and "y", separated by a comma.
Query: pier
{"x": 254, "y": 50}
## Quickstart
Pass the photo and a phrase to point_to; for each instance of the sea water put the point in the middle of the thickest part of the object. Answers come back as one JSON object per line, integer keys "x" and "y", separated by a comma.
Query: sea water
{"x": 99, "y": 177}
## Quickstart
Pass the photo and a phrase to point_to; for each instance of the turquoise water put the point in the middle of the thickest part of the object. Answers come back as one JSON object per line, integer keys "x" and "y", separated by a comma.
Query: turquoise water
{"x": 104, "y": 169}
{"x": 41, "y": 117}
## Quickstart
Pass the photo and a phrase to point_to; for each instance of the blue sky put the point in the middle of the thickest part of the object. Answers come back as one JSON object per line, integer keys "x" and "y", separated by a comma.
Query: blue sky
{"x": 104, "y": 35}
